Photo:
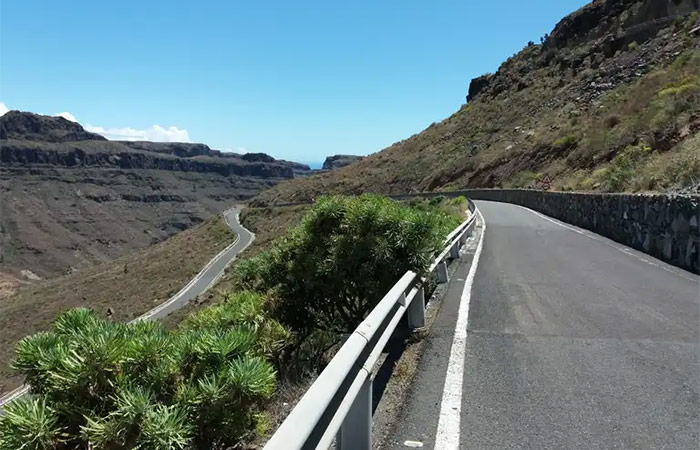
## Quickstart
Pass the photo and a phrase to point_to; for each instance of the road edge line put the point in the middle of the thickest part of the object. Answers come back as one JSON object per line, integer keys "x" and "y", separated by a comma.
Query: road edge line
{"x": 448, "y": 431}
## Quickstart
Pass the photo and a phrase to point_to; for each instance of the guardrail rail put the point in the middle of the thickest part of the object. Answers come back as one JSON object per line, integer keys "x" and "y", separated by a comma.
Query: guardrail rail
{"x": 339, "y": 403}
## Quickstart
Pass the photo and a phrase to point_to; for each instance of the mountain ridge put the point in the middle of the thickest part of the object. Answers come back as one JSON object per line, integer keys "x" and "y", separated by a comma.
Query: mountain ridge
{"x": 70, "y": 198}
{"x": 608, "y": 101}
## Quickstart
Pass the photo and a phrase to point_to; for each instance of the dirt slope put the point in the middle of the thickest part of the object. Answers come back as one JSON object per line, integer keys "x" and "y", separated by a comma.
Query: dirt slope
{"x": 129, "y": 286}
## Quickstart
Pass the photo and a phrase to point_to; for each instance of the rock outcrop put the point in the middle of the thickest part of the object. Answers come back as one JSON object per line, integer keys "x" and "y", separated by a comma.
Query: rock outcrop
{"x": 32, "y": 139}
{"x": 35, "y": 127}
{"x": 338, "y": 161}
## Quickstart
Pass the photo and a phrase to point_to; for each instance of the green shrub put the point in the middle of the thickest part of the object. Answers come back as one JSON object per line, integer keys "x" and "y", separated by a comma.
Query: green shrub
{"x": 29, "y": 423}
{"x": 675, "y": 101}
{"x": 677, "y": 169}
{"x": 632, "y": 45}
{"x": 619, "y": 173}
{"x": 568, "y": 141}
{"x": 106, "y": 385}
{"x": 330, "y": 271}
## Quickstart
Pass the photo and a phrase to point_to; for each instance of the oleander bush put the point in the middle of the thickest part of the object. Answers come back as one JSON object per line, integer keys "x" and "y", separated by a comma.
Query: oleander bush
{"x": 103, "y": 385}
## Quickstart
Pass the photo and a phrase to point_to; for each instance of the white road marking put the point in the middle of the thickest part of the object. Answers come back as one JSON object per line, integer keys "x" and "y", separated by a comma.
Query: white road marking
{"x": 447, "y": 437}
{"x": 616, "y": 246}
{"x": 413, "y": 444}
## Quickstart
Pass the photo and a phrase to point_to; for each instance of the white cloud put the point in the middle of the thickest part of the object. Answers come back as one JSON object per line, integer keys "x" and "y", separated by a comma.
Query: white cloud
{"x": 3, "y": 108}
{"x": 67, "y": 115}
{"x": 156, "y": 133}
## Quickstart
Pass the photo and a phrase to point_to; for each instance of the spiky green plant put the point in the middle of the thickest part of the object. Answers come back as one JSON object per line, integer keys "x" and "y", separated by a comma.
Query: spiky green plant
{"x": 139, "y": 386}
{"x": 29, "y": 423}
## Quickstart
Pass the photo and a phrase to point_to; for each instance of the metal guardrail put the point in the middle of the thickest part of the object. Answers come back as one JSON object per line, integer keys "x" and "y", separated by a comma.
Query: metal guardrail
{"x": 339, "y": 403}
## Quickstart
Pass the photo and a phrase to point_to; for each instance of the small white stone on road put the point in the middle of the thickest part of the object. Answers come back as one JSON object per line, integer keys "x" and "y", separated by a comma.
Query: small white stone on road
{"x": 413, "y": 444}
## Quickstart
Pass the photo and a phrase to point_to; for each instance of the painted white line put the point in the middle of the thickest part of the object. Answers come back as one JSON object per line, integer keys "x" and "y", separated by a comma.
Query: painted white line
{"x": 447, "y": 437}
{"x": 12, "y": 395}
{"x": 626, "y": 250}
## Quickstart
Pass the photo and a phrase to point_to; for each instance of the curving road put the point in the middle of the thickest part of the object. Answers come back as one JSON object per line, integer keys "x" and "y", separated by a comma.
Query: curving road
{"x": 206, "y": 278}
{"x": 570, "y": 341}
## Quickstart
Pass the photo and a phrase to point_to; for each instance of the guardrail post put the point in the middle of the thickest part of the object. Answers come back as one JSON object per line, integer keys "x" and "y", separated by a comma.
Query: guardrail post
{"x": 442, "y": 275}
{"x": 454, "y": 250}
{"x": 356, "y": 431}
{"x": 464, "y": 237}
{"x": 416, "y": 310}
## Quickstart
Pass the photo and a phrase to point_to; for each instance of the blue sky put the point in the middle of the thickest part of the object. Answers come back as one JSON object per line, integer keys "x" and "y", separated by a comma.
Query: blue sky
{"x": 297, "y": 80}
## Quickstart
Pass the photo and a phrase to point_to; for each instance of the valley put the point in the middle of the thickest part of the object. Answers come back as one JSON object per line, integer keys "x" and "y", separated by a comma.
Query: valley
{"x": 70, "y": 199}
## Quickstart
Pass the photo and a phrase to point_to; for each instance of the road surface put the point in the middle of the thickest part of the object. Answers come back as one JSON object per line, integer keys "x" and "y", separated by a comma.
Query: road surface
{"x": 210, "y": 273}
{"x": 198, "y": 285}
{"x": 572, "y": 342}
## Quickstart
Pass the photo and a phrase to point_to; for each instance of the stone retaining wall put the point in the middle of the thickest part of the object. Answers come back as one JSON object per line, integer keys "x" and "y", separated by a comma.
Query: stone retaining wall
{"x": 664, "y": 226}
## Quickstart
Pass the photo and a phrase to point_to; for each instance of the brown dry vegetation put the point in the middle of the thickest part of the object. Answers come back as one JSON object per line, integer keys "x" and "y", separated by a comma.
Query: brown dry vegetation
{"x": 130, "y": 286}
{"x": 268, "y": 224}
{"x": 561, "y": 109}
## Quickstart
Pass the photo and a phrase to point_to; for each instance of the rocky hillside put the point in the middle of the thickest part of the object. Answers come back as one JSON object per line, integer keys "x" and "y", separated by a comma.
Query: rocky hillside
{"x": 69, "y": 198}
{"x": 608, "y": 101}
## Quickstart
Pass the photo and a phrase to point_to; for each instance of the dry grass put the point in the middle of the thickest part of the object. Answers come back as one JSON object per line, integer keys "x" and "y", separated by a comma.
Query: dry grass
{"x": 676, "y": 170}
{"x": 130, "y": 286}
{"x": 270, "y": 223}
{"x": 267, "y": 224}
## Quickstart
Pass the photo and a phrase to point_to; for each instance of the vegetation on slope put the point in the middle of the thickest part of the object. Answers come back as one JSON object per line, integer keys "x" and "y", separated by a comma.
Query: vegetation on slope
{"x": 128, "y": 286}
{"x": 268, "y": 224}
{"x": 205, "y": 384}
{"x": 326, "y": 274}
{"x": 104, "y": 385}
{"x": 612, "y": 86}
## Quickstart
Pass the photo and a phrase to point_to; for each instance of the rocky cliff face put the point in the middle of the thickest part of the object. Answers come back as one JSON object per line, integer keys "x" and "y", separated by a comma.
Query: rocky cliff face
{"x": 590, "y": 38}
{"x": 31, "y": 139}
{"x": 70, "y": 198}
{"x": 35, "y": 127}
{"x": 338, "y": 161}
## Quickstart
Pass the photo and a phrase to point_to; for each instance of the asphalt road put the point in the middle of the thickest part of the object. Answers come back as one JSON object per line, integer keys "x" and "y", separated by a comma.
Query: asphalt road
{"x": 573, "y": 342}
{"x": 198, "y": 285}
{"x": 210, "y": 273}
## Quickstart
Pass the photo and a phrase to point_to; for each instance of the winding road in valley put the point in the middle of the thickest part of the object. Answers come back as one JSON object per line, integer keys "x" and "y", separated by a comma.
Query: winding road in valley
{"x": 210, "y": 274}
{"x": 205, "y": 279}
{"x": 557, "y": 338}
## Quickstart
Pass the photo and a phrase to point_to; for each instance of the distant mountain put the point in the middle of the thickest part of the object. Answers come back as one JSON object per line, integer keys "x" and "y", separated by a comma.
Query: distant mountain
{"x": 608, "y": 101}
{"x": 70, "y": 198}
{"x": 34, "y": 127}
